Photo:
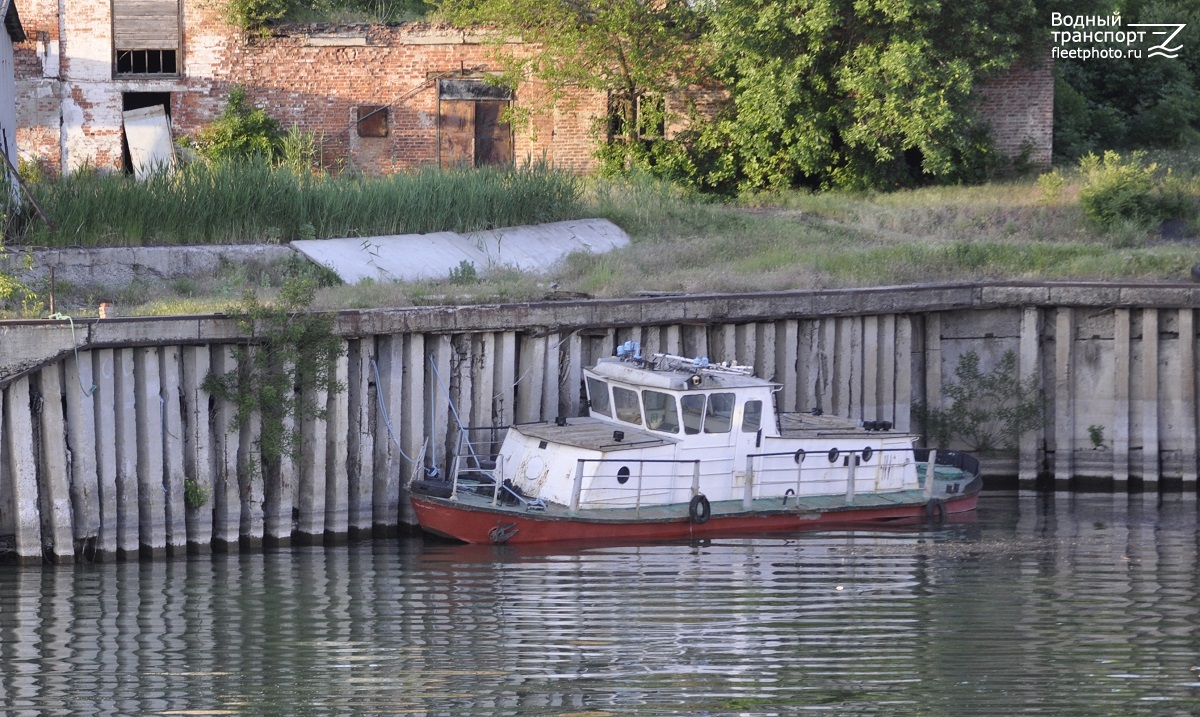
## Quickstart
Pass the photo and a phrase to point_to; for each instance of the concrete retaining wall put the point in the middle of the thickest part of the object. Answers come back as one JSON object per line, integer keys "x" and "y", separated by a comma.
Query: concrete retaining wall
{"x": 103, "y": 428}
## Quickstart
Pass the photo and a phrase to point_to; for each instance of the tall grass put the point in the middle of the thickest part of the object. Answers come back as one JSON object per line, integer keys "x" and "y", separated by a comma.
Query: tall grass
{"x": 249, "y": 201}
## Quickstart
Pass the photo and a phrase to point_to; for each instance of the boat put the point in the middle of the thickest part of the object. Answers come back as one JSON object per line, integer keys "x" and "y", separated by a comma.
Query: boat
{"x": 676, "y": 448}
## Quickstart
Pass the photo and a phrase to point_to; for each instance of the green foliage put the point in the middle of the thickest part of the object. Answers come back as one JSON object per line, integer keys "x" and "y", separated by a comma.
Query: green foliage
{"x": 195, "y": 494}
{"x": 844, "y": 93}
{"x": 14, "y": 293}
{"x": 1050, "y": 185}
{"x": 988, "y": 411}
{"x": 1120, "y": 189}
{"x": 1103, "y": 104}
{"x": 32, "y": 171}
{"x": 377, "y": 11}
{"x": 241, "y": 132}
{"x": 249, "y": 200}
{"x": 255, "y": 14}
{"x": 288, "y": 357}
{"x": 634, "y": 52}
{"x": 1096, "y": 435}
{"x": 300, "y": 151}
{"x": 464, "y": 273}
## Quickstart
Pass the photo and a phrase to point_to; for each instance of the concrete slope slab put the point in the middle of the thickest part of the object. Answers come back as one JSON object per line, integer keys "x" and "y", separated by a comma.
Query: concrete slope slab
{"x": 411, "y": 257}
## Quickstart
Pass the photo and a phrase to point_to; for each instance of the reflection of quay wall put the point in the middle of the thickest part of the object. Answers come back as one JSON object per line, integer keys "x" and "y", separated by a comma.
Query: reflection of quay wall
{"x": 104, "y": 473}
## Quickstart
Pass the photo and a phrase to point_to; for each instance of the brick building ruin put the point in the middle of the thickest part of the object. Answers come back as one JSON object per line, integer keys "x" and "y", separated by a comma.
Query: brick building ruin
{"x": 380, "y": 98}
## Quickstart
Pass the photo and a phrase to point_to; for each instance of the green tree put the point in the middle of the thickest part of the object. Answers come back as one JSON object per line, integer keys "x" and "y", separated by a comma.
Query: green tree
{"x": 1123, "y": 103}
{"x": 854, "y": 93}
{"x": 632, "y": 51}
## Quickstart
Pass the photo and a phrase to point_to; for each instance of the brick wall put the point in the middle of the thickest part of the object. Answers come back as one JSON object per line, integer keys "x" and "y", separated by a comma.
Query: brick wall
{"x": 316, "y": 77}
{"x": 313, "y": 77}
{"x": 1019, "y": 108}
{"x": 39, "y": 104}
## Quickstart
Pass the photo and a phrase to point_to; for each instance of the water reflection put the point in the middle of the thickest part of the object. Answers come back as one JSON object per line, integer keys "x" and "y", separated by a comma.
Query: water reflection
{"x": 1048, "y": 605}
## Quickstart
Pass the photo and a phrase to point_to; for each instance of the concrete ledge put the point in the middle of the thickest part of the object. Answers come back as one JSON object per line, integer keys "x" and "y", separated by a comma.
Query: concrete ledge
{"x": 25, "y": 345}
{"x": 118, "y": 267}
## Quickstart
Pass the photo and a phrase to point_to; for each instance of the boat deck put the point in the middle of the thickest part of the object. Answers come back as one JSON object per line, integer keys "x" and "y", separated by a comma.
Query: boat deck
{"x": 806, "y": 425}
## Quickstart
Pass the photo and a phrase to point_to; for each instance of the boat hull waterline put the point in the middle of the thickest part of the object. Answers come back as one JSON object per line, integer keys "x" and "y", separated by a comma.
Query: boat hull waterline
{"x": 474, "y": 520}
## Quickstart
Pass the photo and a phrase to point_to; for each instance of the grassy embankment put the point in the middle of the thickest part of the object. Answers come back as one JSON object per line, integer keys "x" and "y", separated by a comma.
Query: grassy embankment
{"x": 1007, "y": 230}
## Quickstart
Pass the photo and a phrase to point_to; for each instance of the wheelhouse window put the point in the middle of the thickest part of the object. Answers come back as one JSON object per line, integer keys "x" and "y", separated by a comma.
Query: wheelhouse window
{"x": 752, "y": 417}
{"x": 693, "y": 412}
{"x": 146, "y": 38}
{"x": 598, "y": 396}
{"x": 719, "y": 416}
{"x": 626, "y": 403}
{"x": 661, "y": 414}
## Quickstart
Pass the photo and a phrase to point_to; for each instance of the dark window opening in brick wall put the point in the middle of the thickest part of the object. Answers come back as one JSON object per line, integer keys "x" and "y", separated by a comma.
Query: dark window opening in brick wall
{"x": 372, "y": 121}
{"x": 147, "y": 62}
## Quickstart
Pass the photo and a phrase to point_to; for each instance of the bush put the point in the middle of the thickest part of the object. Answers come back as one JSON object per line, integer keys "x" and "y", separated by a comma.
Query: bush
{"x": 1117, "y": 190}
{"x": 242, "y": 131}
{"x": 255, "y": 14}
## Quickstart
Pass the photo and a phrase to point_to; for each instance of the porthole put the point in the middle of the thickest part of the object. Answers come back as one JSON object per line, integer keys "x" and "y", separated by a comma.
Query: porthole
{"x": 867, "y": 453}
{"x": 799, "y": 456}
{"x": 833, "y": 455}
{"x": 623, "y": 475}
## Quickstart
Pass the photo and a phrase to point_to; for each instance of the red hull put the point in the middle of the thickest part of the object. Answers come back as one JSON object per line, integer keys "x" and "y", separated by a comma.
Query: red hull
{"x": 486, "y": 524}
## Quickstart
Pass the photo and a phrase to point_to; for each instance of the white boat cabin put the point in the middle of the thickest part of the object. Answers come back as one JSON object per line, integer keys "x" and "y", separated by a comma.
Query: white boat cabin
{"x": 662, "y": 430}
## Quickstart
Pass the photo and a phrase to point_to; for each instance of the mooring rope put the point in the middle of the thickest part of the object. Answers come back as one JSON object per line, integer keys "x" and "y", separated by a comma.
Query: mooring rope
{"x": 387, "y": 420}
{"x": 75, "y": 345}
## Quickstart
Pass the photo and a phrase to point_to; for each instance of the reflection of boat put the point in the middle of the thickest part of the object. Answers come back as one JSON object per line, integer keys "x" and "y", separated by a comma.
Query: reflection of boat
{"x": 681, "y": 448}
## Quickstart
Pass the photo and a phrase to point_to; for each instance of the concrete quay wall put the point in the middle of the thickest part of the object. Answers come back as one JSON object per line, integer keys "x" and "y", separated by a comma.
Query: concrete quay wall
{"x": 104, "y": 423}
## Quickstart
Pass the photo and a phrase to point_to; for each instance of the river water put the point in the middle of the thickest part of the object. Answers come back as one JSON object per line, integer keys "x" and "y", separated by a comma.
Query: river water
{"x": 1044, "y": 605}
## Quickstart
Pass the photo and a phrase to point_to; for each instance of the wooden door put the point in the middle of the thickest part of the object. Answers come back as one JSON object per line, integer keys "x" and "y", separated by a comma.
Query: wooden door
{"x": 493, "y": 138}
{"x": 456, "y": 125}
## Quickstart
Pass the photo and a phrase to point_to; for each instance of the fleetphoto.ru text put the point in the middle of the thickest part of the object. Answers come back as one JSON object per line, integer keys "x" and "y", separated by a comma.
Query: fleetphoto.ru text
{"x": 1107, "y": 37}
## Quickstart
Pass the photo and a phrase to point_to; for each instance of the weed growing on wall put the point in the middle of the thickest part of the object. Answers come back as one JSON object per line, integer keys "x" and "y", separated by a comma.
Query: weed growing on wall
{"x": 287, "y": 358}
{"x": 195, "y": 494}
{"x": 988, "y": 411}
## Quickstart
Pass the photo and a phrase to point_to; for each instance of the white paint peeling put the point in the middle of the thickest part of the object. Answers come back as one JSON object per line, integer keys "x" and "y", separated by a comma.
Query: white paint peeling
{"x": 99, "y": 109}
{"x": 47, "y": 52}
{"x": 89, "y": 41}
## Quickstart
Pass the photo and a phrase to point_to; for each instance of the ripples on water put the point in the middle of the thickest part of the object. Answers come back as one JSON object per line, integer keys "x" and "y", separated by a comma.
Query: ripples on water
{"x": 1051, "y": 605}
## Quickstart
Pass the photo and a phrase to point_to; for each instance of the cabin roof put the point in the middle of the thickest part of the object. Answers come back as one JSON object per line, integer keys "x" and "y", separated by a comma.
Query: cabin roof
{"x": 593, "y": 435}
{"x": 807, "y": 425}
{"x": 672, "y": 379}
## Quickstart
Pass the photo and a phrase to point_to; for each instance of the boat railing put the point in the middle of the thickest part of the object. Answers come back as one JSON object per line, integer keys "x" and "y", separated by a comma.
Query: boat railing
{"x": 477, "y": 452}
{"x": 646, "y": 469}
{"x": 759, "y": 475}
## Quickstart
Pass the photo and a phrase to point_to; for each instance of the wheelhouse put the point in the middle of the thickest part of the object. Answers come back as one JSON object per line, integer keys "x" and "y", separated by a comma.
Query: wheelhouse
{"x": 679, "y": 402}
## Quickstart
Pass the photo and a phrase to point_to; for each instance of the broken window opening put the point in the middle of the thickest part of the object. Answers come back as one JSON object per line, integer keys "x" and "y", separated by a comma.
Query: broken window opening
{"x": 147, "y": 62}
